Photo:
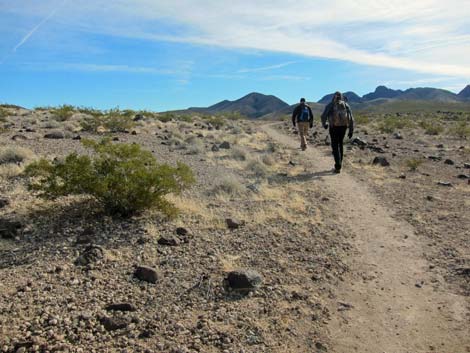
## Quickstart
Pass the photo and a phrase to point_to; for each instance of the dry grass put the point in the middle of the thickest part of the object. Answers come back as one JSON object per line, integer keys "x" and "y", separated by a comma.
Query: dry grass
{"x": 229, "y": 186}
{"x": 15, "y": 155}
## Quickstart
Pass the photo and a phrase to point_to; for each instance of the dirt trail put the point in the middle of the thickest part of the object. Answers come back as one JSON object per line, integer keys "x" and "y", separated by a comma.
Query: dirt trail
{"x": 394, "y": 307}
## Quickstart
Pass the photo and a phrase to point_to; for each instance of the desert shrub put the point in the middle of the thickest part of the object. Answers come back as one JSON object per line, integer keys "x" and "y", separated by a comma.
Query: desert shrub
{"x": 63, "y": 112}
{"x": 229, "y": 185}
{"x": 3, "y": 114}
{"x": 272, "y": 147}
{"x": 431, "y": 127}
{"x": 257, "y": 168}
{"x": 390, "y": 124}
{"x": 460, "y": 129}
{"x": 51, "y": 124}
{"x": 90, "y": 111}
{"x": 232, "y": 116}
{"x": 216, "y": 121}
{"x": 413, "y": 163}
{"x": 268, "y": 160}
{"x": 122, "y": 178}
{"x": 238, "y": 154}
{"x": 361, "y": 119}
{"x": 15, "y": 155}
{"x": 165, "y": 117}
{"x": 113, "y": 121}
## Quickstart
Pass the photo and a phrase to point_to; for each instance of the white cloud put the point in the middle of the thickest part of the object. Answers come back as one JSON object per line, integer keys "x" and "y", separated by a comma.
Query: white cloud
{"x": 266, "y": 68}
{"x": 427, "y": 36}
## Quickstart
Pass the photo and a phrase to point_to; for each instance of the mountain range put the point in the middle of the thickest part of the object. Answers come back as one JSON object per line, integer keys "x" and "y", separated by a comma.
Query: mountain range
{"x": 257, "y": 105}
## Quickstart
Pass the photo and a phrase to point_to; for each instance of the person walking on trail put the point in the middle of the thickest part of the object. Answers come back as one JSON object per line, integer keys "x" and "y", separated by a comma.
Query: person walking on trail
{"x": 303, "y": 117}
{"x": 339, "y": 118}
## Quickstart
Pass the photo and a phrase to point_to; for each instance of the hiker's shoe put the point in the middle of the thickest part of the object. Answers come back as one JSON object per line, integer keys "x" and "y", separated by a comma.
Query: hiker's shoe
{"x": 337, "y": 171}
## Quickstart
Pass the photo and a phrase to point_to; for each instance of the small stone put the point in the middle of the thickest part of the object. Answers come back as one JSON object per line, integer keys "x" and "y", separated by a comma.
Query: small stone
{"x": 9, "y": 229}
{"x": 444, "y": 183}
{"x": 121, "y": 307}
{"x": 402, "y": 176}
{"x": 91, "y": 254}
{"x": 244, "y": 280}
{"x": 146, "y": 274}
{"x": 466, "y": 165}
{"x": 435, "y": 158}
{"x": 225, "y": 145}
{"x": 449, "y": 162}
{"x": 430, "y": 198}
{"x": 55, "y": 135}
{"x": 181, "y": 231}
{"x": 115, "y": 138}
{"x": 232, "y": 223}
{"x": 168, "y": 240}
{"x": 113, "y": 323}
{"x": 382, "y": 161}
{"x": 215, "y": 148}
{"x": 440, "y": 145}
{"x": 19, "y": 138}
{"x": 138, "y": 117}
{"x": 133, "y": 132}
{"x": 77, "y": 137}
{"x": 398, "y": 136}
{"x": 358, "y": 142}
{"x": 463, "y": 176}
{"x": 4, "y": 203}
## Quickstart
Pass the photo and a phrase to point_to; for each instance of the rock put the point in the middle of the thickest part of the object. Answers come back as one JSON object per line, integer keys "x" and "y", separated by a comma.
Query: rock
{"x": 440, "y": 145}
{"x": 84, "y": 239}
{"x": 4, "y": 203}
{"x": 435, "y": 158}
{"x": 28, "y": 129}
{"x": 444, "y": 183}
{"x": 146, "y": 274}
{"x": 449, "y": 162}
{"x": 91, "y": 254}
{"x": 56, "y": 135}
{"x": 402, "y": 176}
{"x": 9, "y": 229}
{"x": 169, "y": 240}
{"x": 19, "y": 138}
{"x": 463, "y": 176}
{"x": 430, "y": 198}
{"x": 380, "y": 161}
{"x": 225, "y": 145}
{"x": 321, "y": 347}
{"x": 138, "y": 117}
{"x": 466, "y": 165}
{"x": 244, "y": 280}
{"x": 358, "y": 142}
{"x": 398, "y": 136}
{"x": 376, "y": 149}
{"x": 115, "y": 138}
{"x": 254, "y": 188}
{"x": 232, "y": 223}
{"x": 121, "y": 307}
{"x": 133, "y": 132}
{"x": 292, "y": 163}
{"x": 77, "y": 137}
{"x": 215, "y": 148}
{"x": 113, "y": 323}
{"x": 184, "y": 233}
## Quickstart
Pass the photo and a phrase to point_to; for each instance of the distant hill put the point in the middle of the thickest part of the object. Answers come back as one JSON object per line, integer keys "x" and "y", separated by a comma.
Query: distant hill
{"x": 253, "y": 105}
{"x": 351, "y": 96}
{"x": 382, "y": 100}
{"x": 382, "y": 92}
{"x": 465, "y": 93}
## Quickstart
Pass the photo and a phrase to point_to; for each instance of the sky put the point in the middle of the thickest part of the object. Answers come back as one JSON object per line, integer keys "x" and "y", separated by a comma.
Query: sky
{"x": 165, "y": 55}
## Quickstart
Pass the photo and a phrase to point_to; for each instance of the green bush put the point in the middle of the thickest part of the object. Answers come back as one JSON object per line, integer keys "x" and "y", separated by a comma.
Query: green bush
{"x": 114, "y": 121}
{"x": 390, "y": 124}
{"x": 63, "y": 112}
{"x": 431, "y": 127}
{"x": 91, "y": 111}
{"x": 361, "y": 119}
{"x": 122, "y": 178}
{"x": 460, "y": 129}
{"x": 216, "y": 121}
{"x": 413, "y": 163}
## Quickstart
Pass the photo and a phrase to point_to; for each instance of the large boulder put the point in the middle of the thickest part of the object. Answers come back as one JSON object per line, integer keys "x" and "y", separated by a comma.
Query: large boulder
{"x": 9, "y": 229}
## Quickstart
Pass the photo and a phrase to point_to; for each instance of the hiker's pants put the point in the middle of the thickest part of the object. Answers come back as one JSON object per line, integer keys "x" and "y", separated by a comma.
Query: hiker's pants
{"x": 337, "y": 136}
{"x": 303, "y": 133}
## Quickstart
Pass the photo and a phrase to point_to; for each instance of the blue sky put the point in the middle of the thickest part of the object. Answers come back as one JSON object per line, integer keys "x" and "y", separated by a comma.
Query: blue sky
{"x": 161, "y": 55}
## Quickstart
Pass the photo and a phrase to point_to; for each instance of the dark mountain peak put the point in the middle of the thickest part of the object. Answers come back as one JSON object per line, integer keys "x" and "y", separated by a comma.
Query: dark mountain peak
{"x": 382, "y": 92}
{"x": 465, "y": 93}
{"x": 350, "y": 96}
{"x": 253, "y": 105}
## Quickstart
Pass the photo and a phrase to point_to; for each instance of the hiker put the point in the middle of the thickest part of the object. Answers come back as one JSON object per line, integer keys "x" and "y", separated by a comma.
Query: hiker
{"x": 303, "y": 117}
{"x": 338, "y": 117}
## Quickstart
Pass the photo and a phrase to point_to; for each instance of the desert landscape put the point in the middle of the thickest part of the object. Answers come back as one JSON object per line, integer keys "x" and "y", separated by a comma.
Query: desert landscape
{"x": 269, "y": 251}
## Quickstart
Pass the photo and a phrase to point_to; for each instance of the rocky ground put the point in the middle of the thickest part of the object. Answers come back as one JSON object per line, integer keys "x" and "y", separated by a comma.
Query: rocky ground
{"x": 75, "y": 280}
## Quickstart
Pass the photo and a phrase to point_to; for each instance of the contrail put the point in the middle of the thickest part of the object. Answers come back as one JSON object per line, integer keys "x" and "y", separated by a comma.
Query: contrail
{"x": 30, "y": 33}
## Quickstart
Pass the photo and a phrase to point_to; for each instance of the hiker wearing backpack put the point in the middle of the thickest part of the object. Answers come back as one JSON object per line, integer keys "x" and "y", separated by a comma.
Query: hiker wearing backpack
{"x": 338, "y": 117}
{"x": 303, "y": 117}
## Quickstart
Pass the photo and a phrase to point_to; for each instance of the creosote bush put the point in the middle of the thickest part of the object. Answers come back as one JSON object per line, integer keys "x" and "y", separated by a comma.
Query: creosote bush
{"x": 113, "y": 120}
{"x": 122, "y": 178}
{"x": 413, "y": 163}
{"x": 63, "y": 113}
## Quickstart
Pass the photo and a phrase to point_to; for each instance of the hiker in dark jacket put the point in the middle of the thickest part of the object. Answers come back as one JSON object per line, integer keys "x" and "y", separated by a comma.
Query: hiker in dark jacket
{"x": 338, "y": 117}
{"x": 303, "y": 117}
